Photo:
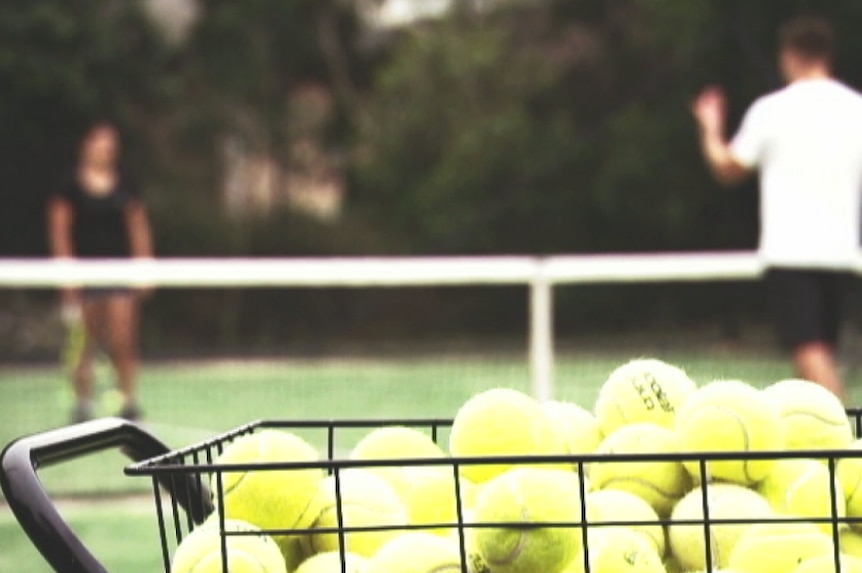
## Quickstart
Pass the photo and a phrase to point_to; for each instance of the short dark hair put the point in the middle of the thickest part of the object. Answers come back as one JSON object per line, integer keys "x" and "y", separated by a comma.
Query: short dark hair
{"x": 809, "y": 36}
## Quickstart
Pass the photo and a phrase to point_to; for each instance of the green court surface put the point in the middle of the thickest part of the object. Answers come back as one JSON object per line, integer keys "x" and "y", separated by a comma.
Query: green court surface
{"x": 189, "y": 401}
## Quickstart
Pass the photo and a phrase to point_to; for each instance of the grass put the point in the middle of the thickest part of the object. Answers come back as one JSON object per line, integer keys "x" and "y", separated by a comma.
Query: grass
{"x": 187, "y": 402}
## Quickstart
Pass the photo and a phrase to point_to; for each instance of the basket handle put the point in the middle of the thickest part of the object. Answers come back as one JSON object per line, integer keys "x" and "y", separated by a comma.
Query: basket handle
{"x": 34, "y": 509}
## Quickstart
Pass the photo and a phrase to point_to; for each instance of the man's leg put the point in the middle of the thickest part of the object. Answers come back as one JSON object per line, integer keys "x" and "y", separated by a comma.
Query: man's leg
{"x": 815, "y": 361}
{"x": 807, "y": 308}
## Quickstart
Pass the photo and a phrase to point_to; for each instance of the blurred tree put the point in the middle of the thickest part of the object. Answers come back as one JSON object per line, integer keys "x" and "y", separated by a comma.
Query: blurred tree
{"x": 557, "y": 126}
{"x": 457, "y": 148}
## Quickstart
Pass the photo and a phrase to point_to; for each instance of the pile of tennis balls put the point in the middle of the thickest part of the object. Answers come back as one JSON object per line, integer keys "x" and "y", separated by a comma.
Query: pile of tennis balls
{"x": 526, "y": 515}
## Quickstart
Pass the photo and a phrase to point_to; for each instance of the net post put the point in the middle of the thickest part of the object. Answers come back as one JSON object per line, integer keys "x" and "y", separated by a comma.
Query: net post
{"x": 541, "y": 335}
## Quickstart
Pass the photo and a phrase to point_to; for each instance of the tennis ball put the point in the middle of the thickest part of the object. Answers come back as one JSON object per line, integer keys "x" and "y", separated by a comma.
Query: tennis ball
{"x": 621, "y": 507}
{"x": 618, "y": 550}
{"x": 801, "y": 488}
{"x": 200, "y": 552}
{"x": 417, "y": 552}
{"x": 427, "y": 492}
{"x": 813, "y": 417}
{"x": 500, "y": 422}
{"x": 578, "y": 426}
{"x": 643, "y": 390}
{"x": 291, "y": 550}
{"x": 660, "y": 483}
{"x": 730, "y": 416}
{"x": 475, "y": 562}
{"x": 724, "y": 501}
{"x": 528, "y": 496}
{"x": 365, "y": 500}
{"x": 270, "y": 499}
{"x": 430, "y": 496}
{"x": 850, "y": 542}
{"x": 671, "y": 565}
{"x": 330, "y": 562}
{"x": 849, "y": 472}
{"x": 826, "y": 564}
{"x": 396, "y": 442}
{"x": 778, "y": 547}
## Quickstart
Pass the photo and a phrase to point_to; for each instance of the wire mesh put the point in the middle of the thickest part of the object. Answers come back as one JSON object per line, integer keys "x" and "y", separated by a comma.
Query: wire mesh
{"x": 201, "y": 461}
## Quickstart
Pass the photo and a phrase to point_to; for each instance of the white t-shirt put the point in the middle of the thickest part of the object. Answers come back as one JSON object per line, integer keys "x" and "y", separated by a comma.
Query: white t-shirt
{"x": 806, "y": 139}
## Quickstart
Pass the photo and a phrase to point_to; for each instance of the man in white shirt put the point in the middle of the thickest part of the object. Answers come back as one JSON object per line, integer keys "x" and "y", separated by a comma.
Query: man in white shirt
{"x": 806, "y": 142}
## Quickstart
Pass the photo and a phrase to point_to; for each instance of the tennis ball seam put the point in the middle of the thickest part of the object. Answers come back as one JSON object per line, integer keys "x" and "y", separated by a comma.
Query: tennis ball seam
{"x": 814, "y": 415}
{"x": 303, "y": 514}
{"x": 344, "y": 508}
{"x": 242, "y": 475}
{"x": 253, "y": 557}
{"x": 446, "y": 567}
{"x": 800, "y": 482}
{"x": 525, "y": 518}
{"x": 618, "y": 407}
{"x": 746, "y": 441}
{"x": 609, "y": 485}
{"x": 852, "y": 496}
{"x": 227, "y": 491}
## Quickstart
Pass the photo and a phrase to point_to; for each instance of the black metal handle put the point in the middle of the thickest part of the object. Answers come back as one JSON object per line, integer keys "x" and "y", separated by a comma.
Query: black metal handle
{"x": 34, "y": 509}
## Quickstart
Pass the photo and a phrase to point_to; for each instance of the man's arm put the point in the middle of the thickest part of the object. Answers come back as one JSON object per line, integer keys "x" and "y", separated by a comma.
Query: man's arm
{"x": 709, "y": 111}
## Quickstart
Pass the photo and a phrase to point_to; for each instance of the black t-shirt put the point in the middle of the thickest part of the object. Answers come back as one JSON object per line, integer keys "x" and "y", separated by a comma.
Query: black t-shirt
{"x": 99, "y": 221}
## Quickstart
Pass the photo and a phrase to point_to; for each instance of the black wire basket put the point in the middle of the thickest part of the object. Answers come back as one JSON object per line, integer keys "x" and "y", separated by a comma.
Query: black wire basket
{"x": 188, "y": 485}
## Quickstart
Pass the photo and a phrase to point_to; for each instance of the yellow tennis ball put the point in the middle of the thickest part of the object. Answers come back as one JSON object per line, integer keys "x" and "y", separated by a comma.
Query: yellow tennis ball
{"x": 427, "y": 492}
{"x": 660, "y": 483}
{"x": 475, "y": 562}
{"x": 645, "y": 390}
{"x": 618, "y": 550}
{"x": 778, "y": 547}
{"x": 417, "y": 552}
{"x": 802, "y": 488}
{"x": 331, "y": 562}
{"x": 725, "y": 502}
{"x": 578, "y": 426}
{"x": 365, "y": 500}
{"x": 292, "y": 550}
{"x": 849, "y": 472}
{"x": 730, "y": 416}
{"x": 201, "y": 551}
{"x": 813, "y": 417}
{"x": 671, "y": 565}
{"x": 432, "y": 496}
{"x": 396, "y": 442}
{"x": 622, "y": 507}
{"x": 826, "y": 564}
{"x": 850, "y": 542}
{"x": 270, "y": 499}
{"x": 528, "y": 496}
{"x": 501, "y": 422}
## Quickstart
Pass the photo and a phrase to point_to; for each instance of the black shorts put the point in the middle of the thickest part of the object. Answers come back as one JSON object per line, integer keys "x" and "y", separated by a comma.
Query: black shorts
{"x": 808, "y": 304}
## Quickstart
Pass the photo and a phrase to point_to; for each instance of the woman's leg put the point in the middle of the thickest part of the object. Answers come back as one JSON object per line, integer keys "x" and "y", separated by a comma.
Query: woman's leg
{"x": 123, "y": 322}
{"x": 94, "y": 314}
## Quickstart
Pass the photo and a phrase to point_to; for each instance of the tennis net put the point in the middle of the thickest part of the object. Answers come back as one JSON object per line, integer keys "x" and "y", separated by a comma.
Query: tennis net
{"x": 226, "y": 341}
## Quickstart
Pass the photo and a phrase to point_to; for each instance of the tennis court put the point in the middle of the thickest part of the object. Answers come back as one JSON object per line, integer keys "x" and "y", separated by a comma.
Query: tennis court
{"x": 187, "y": 401}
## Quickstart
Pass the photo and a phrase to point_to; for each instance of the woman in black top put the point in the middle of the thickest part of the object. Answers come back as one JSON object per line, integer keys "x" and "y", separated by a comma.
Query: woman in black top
{"x": 97, "y": 214}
